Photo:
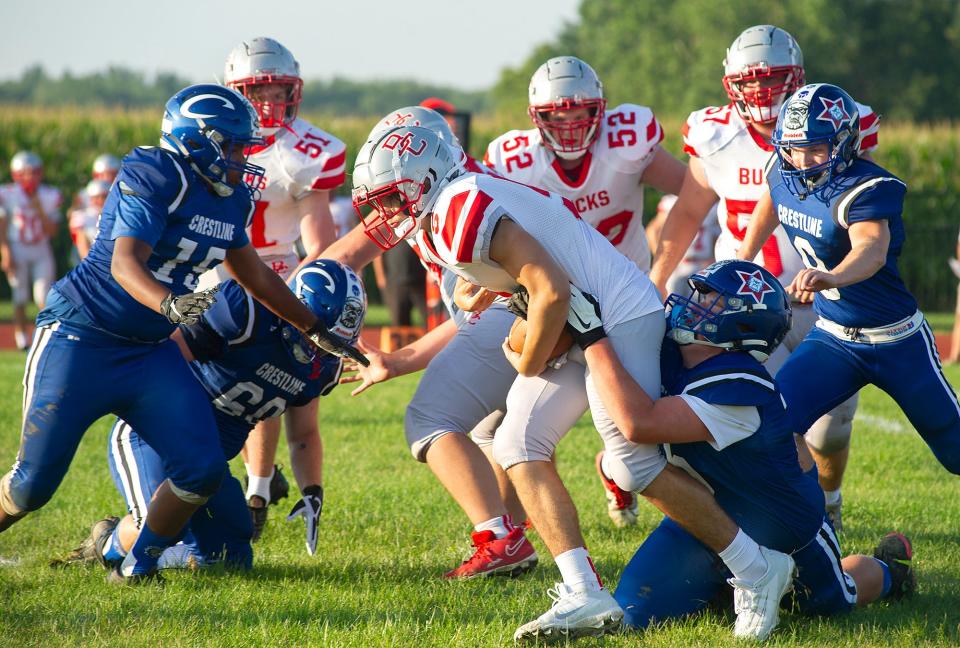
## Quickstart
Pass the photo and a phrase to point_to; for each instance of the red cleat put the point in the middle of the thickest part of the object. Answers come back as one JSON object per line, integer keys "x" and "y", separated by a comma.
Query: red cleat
{"x": 621, "y": 504}
{"x": 511, "y": 556}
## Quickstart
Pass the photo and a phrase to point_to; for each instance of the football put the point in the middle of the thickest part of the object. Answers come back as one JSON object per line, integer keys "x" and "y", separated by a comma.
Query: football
{"x": 518, "y": 335}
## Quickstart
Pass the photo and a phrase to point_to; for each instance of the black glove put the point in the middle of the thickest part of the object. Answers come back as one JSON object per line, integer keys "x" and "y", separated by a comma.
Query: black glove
{"x": 583, "y": 318}
{"x": 187, "y": 309}
{"x": 517, "y": 304}
{"x": 309, "y": 508}
{"x": 321, "y": 337}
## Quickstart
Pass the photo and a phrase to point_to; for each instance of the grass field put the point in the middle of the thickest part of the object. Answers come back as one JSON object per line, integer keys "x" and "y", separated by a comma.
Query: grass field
{"x": 389, "y": 531}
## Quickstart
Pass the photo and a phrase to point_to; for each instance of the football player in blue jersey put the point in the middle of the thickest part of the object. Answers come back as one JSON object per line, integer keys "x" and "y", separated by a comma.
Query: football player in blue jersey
{"x": 102, "y": 344}
{"x": 724, "y": 422}
{"x": 844, "y": 215}
{"x": 253, "y": 366}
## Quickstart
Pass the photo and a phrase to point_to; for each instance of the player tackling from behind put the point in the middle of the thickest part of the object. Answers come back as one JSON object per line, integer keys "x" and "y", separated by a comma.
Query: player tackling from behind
{"x": 503, "y": 235}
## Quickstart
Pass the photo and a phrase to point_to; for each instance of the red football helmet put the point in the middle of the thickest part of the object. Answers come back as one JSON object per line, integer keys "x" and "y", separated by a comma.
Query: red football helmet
{"x": 262, "y": 62}
{"x": 566, "y": 83}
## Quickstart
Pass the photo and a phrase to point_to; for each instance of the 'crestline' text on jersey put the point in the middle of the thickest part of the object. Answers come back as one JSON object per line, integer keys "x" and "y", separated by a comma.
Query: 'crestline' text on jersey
{"x": 280, "y": 378}
{"x": 797, "y": 219}
{"x": 210, "y": 227}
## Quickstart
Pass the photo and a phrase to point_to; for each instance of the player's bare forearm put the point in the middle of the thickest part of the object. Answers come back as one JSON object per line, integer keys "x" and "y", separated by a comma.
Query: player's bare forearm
{"x": 418, "y": 354}
{"x": 531, "y": 265}
{"x": 129, "y": 268}
{"x": 869, "y": 242}
{"x": 763, "y": 221}
{"x": 317, "y": 231}
{"x": 638, "y": 417}
{"x": 306, "y": 447}
{"x": 267, "y": 287}
{"x": 664, "y": 173}
{"x": 355, "y": 249}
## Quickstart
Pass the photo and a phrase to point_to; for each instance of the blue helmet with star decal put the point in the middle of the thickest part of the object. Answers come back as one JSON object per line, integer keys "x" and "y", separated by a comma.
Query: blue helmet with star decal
{"x": 818, "y": 113}
{"x": 335, "y": 294}
{"x": 735, "y": 305}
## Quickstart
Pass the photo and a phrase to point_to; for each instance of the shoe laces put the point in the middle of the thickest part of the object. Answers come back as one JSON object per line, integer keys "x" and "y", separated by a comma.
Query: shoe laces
{"x": 559, "y": 592}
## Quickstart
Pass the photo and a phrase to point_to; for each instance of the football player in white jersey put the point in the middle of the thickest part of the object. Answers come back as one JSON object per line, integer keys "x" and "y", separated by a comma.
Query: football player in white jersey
{"x": 29, "y": 214}
{"x": 83, "y": 220}
{"x": 451, "y": 403}
{"x": 599, "y": 159}
{"x": 503, "y": 235}
{"x": 302, "y": 164}
{"x": 729, "y": 146}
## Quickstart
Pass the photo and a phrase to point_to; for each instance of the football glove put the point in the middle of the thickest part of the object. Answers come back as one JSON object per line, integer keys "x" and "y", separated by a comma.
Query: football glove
{"x": 322, "y": 338}
{"x": 187, "y": 309}
{"x": 583, "y": 318}
{"x": 309, "y": 508}
{"x": 517, "y": 304}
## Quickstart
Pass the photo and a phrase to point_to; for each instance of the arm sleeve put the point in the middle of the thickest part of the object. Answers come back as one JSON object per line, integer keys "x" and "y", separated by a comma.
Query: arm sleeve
{"x": 727, "y": 423}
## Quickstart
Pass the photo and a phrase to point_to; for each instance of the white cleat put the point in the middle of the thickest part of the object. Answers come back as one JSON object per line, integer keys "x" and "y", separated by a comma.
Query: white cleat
{"x": 573, "y": 614}
{"x": 758, "y": 604}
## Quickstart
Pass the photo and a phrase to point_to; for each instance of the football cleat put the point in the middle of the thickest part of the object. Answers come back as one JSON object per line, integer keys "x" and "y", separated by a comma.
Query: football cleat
{"x": 90, "y": 550}
{"x": 758, "y": 604}
{"x": 573, "y": 614}
{"x": 511, "y": 555}
{"x": 621, "y": 504}
{"x": 835, "y": 513}
{"x": 896, "y": 551}
{"x": 258, "y": 515}
{"x": 116, "y": 577}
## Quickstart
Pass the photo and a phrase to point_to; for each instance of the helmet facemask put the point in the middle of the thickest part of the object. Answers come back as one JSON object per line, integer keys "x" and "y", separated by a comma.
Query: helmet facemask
{"x": 568, "y": 138}
{"x": 391, "y": 213}
{"x": 761, "y": 103}
{"x": 274, "y": 113}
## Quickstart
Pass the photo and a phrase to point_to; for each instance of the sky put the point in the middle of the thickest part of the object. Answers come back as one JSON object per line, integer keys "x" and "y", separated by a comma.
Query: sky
{"x": 462, "y": 43}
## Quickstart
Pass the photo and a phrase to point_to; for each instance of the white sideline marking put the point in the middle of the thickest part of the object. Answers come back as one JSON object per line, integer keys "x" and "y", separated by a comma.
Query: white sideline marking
{"x": 883, "y": 424}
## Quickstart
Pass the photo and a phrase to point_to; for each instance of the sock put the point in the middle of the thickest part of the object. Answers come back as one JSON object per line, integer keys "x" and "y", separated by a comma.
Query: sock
{"x": 832, "y": 497}
{"x": 743, "y": 558}
{"x": 20, "y": 338}
{"x": 259, "y": 486}
{"x": 576, "y": 569}
{"x": 146, "y": 552}
{"x": 112, "y": 550}
{"x": 887, "y": 578}
{"x": 501, "y": 526}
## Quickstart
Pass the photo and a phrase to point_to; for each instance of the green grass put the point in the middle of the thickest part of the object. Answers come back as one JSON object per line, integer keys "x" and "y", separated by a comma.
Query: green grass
{"x": 389, "y": 531}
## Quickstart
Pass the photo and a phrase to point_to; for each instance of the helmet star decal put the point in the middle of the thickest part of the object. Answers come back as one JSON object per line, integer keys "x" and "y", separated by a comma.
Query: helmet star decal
{"x": 833, "y": 112}
{"x": 754, "y": 285}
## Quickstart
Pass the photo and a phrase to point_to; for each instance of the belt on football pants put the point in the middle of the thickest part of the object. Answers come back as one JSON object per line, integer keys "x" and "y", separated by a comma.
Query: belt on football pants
{"x": 879, "y": 335}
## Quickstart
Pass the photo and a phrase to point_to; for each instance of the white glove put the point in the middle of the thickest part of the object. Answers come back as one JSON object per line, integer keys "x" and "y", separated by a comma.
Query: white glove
{"x": 309, "y": 508}
{"x": 187, "y": 309}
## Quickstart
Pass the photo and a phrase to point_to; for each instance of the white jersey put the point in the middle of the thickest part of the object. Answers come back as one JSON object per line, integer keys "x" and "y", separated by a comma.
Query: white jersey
{"x": 464, "y": 216}
{"x": 734, "y": 156}
{"x": 23, "y": 223}
{"x": 607, "y": 190}
{"x": 84, "y": 220}
{"x": 296, "y": 162}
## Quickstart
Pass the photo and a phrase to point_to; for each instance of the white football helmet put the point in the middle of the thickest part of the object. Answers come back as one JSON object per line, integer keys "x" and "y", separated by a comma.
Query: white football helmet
{"x": 566, "y": 83}
{"x": 106, "y": 167}
{"x": 397, "y": 176}
{"x": 417, "y": 116}
{"x": 757, "y": 55}
{"x": 26, "y": 169}
{"x": 260, "y": 62}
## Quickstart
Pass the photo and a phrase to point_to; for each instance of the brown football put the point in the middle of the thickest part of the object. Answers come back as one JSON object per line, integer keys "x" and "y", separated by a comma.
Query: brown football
{"x": 518, "y": 335}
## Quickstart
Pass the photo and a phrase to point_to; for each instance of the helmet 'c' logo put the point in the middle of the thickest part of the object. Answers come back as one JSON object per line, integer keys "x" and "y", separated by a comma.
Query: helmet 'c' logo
{"x": 833, "y": 112}
{"x": 796, "y": 115}
{"x": 185, "y": 107}
{"x": 404, "y": 144}
{"x": 753, "y": 285}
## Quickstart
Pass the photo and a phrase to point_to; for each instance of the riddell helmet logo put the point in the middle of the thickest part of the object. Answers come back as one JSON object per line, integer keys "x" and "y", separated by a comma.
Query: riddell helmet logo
{"x": 404, "y": 144}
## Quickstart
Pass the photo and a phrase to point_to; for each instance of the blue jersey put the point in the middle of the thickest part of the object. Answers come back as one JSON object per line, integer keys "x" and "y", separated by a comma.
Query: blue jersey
{"x": 817, "y": 227}
{"x": 156, "y": 198}
{"x": 757, "y": 480}
{"x": 247, "y": 369}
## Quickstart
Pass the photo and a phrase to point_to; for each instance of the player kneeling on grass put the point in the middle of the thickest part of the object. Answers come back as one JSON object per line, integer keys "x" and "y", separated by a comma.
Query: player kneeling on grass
{"x": 253, "y": 366}
{"x": 726, "y": 424}
{"x": 502, "y": 235}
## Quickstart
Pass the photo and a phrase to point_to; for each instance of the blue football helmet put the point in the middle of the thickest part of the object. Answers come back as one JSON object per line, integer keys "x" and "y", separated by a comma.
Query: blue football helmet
{"x": 735, "y": 305}
{"x": 818, "y": 113}
{"x": 335, "y": 294}
{"x": 207, "y": 124}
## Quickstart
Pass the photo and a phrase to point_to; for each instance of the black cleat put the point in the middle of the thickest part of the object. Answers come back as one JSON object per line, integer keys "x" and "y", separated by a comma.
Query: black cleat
{"x": 279, "y": 486}
{"x": 896, "y": 551}
{"x": 258, "y": 514}
{"x": 152, "y": 577}
{"x": 89, "y": 551}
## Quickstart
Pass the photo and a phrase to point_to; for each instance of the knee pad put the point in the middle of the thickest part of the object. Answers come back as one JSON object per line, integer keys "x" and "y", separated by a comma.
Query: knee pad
{"x": 6, "y": 498}
{"x": 637, "y": 475}
{"x": 831, "y": 432}
{"x": 202, "y": 484}
{"x": 511, "y": 448}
